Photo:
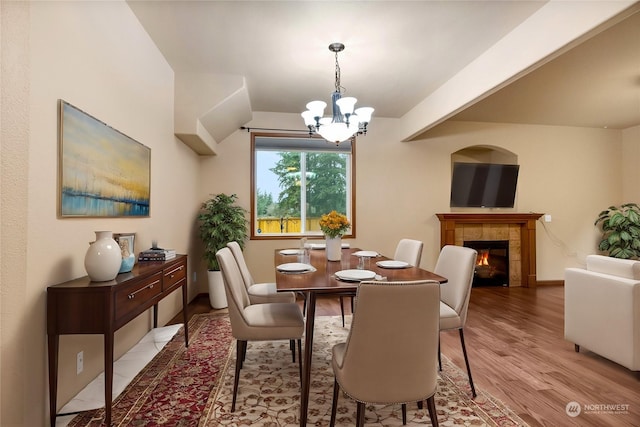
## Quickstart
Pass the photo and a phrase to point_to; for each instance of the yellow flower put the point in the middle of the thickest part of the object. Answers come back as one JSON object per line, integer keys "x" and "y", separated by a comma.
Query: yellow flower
{"x": 334, "y": 224}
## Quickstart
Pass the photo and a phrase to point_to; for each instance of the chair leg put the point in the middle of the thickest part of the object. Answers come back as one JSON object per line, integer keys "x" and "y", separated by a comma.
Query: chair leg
{"x": 292, "y": 347}
{"x": 304, "y": 302}
{"x": 241, "y": 348}
{"x": 342, "y": 309}
{"x": 431, "y": 404}
{"x": 243, "y": 355}
{"x": 360, "y": 414}
{"x": 576, "y": 347}
{"x": 466, "y": 361}
{"x": 334, "y": 403}
{"x": 300, "y": 360}
{"x": 439, "y": 355}
{"x": 404, "y": 414}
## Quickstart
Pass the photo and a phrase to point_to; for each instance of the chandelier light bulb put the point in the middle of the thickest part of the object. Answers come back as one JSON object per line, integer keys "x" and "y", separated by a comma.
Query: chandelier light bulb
{"x": 346, "y": 104}
{"x": 364, "y": 114}
{"x": 309, "y": 119}
{"x": 317, "y": 108}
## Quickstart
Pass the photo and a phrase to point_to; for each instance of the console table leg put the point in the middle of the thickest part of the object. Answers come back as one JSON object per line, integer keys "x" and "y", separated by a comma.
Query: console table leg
{"x": 185, "y": 315}
{"x": 108, "y": 376}
{"x": 155, "y": 316}
{"x": 53, "y": 344}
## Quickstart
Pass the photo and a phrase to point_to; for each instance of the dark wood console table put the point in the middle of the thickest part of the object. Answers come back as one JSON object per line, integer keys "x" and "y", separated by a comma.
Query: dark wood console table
{"x": 81, "y": 306}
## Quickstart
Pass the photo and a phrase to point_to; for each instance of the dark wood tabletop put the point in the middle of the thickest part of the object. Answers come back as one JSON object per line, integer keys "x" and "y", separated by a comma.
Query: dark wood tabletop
{"x": 323, "y": 280}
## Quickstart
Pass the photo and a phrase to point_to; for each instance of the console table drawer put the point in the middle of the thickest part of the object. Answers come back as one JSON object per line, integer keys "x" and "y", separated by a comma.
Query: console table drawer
{"x": 173, "y": 275}
{"x": 135, "y": 296}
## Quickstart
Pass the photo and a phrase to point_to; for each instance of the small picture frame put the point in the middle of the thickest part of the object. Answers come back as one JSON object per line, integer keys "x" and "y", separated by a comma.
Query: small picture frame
{"x": 126, "y": 241}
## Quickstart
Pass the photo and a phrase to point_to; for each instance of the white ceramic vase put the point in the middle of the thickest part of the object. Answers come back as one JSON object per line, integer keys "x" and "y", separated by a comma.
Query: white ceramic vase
{"x": 103, "y": 258}
{"x": 333, "y": 248}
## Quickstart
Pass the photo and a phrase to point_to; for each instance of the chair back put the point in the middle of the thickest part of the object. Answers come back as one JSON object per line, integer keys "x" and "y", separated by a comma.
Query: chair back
{"x": 409, "y": 251}
{"x": 236, "y": 250}
{"x": 237, "y": 296}
{"x": 457, "y": 264}
{"x": 391, "y": 351}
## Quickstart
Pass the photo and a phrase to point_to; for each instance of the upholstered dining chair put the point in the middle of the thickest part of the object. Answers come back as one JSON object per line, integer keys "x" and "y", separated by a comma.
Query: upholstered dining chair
{"x": 259, "y": 293}
{"x": 256, "y": 322}
{"x": 409, "y": 251}
{"x": 457, "y": 264}
{"x": 390, "y": 355}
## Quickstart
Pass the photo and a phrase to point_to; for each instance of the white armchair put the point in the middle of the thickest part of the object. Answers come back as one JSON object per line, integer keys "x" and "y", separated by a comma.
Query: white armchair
{"x": 602, "y": 308}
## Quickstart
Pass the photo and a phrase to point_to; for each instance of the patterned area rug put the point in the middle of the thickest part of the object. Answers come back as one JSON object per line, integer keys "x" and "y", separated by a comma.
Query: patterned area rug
{"x": 194, "y": 387}
{"x": 173, "y": 389}
{"x": 269, "y": 391}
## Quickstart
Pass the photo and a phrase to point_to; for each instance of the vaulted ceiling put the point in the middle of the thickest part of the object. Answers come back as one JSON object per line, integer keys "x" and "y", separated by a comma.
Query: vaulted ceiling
{"x": 399, "y": 53}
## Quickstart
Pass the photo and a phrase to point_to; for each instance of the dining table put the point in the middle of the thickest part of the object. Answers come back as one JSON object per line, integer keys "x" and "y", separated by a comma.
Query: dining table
{"x": 320, "y": 279}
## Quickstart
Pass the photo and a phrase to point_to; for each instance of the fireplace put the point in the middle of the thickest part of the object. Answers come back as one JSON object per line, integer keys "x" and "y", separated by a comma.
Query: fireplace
{"x": 518, "y": 228}
{"x": 492, "y": 266}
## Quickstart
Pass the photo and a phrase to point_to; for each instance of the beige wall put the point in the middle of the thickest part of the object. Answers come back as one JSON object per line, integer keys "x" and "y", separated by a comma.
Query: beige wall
{"x": 96, "y": 56}
{"x": 630, "y": 165}
{"x": 570, "y": 173}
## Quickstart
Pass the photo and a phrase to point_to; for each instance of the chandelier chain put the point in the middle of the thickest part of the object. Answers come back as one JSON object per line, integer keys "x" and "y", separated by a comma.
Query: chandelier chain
{"x": 338, "y": 85}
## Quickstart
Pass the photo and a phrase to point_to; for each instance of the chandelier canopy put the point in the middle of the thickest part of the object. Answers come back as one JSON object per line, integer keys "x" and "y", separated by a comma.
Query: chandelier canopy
{"x": 345, "y": 122}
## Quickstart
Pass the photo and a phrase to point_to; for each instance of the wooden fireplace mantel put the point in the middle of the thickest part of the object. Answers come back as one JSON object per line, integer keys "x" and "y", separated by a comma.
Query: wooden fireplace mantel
{"x": 527, "y": 222}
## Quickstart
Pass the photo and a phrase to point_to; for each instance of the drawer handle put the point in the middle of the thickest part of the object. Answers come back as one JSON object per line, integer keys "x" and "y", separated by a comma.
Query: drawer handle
{"x": 173, "y": 272}
{"x": 132, "y": 295}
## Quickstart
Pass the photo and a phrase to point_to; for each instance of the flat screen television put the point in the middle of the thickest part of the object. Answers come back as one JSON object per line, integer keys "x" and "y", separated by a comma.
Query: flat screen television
{"x": 483, "y": 185}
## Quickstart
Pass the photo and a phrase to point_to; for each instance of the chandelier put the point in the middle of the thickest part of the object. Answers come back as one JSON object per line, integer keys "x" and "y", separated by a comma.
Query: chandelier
{"x": 345, "y": 122}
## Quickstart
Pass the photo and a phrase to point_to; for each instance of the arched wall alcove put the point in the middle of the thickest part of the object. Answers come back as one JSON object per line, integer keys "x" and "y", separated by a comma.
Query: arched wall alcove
{"x": 471, "y": 192}
{"x": 484, "y": 154}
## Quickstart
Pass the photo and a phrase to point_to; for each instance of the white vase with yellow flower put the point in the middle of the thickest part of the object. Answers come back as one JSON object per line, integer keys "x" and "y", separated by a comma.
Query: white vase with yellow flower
{"x": 334, "y": 225}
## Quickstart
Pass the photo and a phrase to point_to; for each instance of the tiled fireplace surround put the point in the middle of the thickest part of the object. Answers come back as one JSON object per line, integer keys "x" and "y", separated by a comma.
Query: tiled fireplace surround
{"x": 518, "y": 229}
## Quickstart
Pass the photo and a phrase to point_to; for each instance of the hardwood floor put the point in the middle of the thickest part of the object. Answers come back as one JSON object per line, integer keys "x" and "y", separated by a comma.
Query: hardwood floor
{"x": 517, "y": 352}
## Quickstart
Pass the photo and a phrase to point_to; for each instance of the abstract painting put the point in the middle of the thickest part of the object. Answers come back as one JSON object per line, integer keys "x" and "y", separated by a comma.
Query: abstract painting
{"x": 102, "y": 172}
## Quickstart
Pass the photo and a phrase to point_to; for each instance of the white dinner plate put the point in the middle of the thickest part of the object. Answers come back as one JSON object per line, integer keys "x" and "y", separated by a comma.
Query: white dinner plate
{"x": 290, "y": 252}
{"x": 392, "y": 264}
{"x": 355, "y": 275}
{"x": 324, "y": 245}
{"x": 368, "y": 254}
{"x": 295, "y": 267}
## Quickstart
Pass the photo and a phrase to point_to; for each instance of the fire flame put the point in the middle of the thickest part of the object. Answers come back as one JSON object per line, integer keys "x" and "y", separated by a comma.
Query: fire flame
{"x": 483, "y": 258}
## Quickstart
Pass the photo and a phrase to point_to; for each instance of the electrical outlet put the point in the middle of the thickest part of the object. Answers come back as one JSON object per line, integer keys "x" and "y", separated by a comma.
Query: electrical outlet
{"x": 79, "y": 362}
{"x": 547, "y": 218}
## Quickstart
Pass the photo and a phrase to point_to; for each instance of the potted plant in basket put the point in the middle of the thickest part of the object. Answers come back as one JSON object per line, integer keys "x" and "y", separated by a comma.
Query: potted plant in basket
{"x": 221, "y": 221}
{"x": 334, "y": 225}
{"x": 620, "y": 231}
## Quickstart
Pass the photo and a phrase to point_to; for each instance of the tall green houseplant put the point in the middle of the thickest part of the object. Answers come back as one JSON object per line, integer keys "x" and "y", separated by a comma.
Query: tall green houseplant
{"x": 620, "y": 227}
{"x": 221, "y": 221}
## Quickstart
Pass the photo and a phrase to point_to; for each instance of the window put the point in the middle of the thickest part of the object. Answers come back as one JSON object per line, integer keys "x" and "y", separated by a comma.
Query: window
{"x": 295, "y": 180}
